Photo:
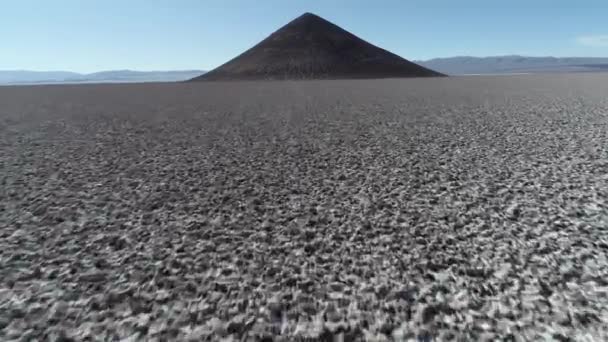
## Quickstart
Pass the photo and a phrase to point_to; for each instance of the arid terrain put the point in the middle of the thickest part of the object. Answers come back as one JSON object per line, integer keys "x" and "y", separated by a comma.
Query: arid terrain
{"x": 468, "y": 208}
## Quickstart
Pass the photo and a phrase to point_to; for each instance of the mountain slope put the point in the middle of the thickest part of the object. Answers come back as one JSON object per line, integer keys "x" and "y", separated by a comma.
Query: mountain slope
{"x": 310, "y": 47}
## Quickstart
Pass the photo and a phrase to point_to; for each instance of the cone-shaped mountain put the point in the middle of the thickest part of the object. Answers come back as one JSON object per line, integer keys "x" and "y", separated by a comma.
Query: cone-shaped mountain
{"x": 310, "y": 47}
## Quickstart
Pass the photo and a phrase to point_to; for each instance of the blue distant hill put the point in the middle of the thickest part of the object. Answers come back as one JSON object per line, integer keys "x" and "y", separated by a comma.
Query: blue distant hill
{"x": 515, "y": 64}
{"x": 113, "y": 76}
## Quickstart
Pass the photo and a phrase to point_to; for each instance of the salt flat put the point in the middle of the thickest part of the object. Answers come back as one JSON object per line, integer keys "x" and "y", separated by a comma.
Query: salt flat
{"x": 456, "y": 208}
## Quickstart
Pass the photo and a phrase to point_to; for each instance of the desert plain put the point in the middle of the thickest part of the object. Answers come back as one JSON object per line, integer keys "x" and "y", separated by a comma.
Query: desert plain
{"x": 460, "y": 208}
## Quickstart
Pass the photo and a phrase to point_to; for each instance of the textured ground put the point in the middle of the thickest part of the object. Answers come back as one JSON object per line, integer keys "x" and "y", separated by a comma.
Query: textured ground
{"x": 460, "y": 208}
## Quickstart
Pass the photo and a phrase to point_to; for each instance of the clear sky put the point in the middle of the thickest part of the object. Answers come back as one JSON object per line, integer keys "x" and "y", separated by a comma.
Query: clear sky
{"x": 94, "y": 35}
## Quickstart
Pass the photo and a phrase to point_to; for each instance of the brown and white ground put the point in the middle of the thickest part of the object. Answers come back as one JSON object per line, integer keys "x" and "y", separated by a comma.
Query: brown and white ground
{"x": 467, "y": 208}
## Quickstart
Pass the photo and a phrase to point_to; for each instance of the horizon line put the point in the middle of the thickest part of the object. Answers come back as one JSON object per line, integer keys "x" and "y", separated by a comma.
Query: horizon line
{"x": 84, "y": 73}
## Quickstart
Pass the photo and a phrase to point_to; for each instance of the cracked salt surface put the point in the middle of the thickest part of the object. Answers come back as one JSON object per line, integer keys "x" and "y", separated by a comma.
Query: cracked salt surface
{"x": 460, "y": 208}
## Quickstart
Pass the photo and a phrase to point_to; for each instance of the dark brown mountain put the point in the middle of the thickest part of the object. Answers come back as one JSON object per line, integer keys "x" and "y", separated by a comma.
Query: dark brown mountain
{"x": 310, "y": 47}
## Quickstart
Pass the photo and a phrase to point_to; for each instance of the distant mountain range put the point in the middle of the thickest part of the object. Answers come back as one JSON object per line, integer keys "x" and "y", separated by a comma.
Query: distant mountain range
{"x": 450, "y": 66}
{"x": 514, "y": 64}
{"x": 113, "y": 76}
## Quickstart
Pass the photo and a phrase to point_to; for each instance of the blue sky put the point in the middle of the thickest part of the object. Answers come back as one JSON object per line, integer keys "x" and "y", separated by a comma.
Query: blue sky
{"x": 93, "y": 35}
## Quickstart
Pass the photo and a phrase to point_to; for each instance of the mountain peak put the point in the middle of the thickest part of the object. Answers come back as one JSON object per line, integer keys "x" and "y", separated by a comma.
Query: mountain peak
{"x": 310, "y": 15}
{"x": 310, "y": 47}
